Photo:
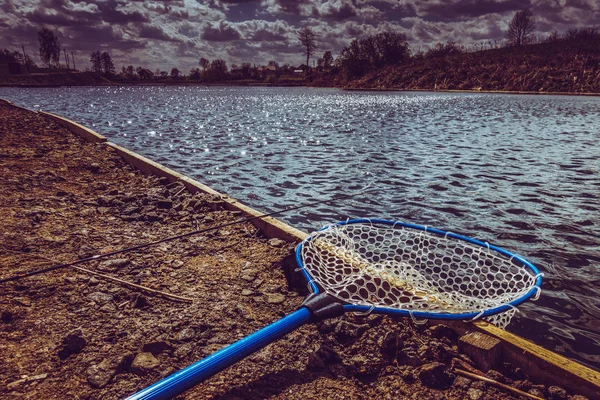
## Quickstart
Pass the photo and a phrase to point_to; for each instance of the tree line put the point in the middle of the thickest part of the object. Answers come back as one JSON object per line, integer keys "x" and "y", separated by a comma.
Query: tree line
{"x": 361, "y": 56}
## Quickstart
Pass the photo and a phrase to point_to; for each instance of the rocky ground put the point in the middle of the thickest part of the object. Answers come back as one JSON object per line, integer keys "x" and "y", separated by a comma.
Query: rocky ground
{"x": 68, "y": 334}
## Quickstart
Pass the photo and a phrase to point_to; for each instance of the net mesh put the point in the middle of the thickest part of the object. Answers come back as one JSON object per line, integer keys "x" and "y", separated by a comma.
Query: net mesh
{"x": 403, "y": 268}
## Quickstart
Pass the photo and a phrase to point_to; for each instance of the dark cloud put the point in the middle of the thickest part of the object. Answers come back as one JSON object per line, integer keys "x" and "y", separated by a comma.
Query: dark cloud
{"x": 463, "y": 9}
{"x": 221, "y": 32}
{"x": 339, "y": 13}
{"x": 260, "y": 30}
{"x": 292, "y": 6}
{"x": 155, "y": 32}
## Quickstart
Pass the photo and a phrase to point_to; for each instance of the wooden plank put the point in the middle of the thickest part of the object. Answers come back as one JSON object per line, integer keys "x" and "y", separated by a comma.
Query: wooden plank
{"x": 544, "y": 365}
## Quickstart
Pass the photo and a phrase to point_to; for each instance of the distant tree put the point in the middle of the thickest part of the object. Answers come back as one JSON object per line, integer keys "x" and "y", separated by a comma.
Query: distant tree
{"x": 204, "y": 63}
{"x": 96, "y": 60}
{"x": 130, "y": 72}
{"x": 327, "y": 59}
{"x": 195, "y": 74}
{"x": 164, "y": 74}
{"x": 443, "y": 50}
{"x": 521, "y": 28}
{"x": 218, "y": 69}
{"x": 373, "y": 52}
{"x": 157, "y": 72}
{"x": 49, "y": 47}
{"x": 175, "y": 74}
{"x": 246, "y": 68}
{"x": 273, "y": 63}
{"x": 107, "y": 64}
{"x": 308, "y": 40}
{"x": 7, "y": 56}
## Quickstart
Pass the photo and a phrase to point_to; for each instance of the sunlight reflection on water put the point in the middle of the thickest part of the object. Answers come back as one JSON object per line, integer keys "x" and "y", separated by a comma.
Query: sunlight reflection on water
{"x": 519, "y": 171}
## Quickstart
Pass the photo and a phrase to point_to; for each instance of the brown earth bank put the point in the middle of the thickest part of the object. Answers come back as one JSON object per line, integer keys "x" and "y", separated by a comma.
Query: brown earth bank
{"x": 69, "y": 334}
{"x": 540, "y": 68}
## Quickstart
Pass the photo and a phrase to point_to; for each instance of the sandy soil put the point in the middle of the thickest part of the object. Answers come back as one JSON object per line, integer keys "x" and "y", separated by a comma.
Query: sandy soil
{"x": 68, "y": 334}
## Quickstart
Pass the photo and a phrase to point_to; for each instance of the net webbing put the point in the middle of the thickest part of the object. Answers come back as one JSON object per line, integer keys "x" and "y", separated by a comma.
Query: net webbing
{"x": 401, "y": 268}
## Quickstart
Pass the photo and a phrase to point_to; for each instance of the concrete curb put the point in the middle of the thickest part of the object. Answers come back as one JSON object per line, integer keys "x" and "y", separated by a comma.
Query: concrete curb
{"x": 534, "y": 360}
{"x": 80, "y": 130}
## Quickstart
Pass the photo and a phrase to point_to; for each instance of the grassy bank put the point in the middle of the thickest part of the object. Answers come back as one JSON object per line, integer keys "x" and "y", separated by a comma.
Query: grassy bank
{"x": 546, "y": 67}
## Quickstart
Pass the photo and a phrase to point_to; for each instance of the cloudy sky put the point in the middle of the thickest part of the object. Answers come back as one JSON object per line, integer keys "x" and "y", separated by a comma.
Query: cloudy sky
{"x": 166, "y": 34}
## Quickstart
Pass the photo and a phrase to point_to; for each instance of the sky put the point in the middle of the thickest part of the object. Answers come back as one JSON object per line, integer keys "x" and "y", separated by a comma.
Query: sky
{"x": 167, "y": 34}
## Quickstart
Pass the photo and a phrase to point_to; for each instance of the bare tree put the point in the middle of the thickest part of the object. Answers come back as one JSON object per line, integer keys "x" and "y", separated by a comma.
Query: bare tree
{"x": 204, "y": 63}
{"x": 49, "y": 46}
{"x": 520, "y": 28}
{"x": 307, "y": 39}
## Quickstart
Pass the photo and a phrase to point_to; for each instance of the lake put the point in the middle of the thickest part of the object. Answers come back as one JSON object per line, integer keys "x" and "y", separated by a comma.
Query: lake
{"x": 518, "y": 171}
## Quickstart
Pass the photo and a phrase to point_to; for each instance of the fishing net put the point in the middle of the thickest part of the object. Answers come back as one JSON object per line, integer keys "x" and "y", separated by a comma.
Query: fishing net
{"x": 425, "y": 273}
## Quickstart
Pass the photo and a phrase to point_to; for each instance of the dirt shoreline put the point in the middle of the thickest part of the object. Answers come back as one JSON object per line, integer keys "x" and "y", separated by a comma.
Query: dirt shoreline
{"x": 67, "y": 334}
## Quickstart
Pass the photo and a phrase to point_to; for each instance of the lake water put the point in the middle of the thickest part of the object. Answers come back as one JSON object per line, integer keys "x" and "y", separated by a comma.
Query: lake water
{"x": 522, "y": 172}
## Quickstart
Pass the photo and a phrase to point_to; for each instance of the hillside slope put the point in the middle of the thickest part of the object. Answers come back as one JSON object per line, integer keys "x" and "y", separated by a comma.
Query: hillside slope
{"x": 548, "y": 67}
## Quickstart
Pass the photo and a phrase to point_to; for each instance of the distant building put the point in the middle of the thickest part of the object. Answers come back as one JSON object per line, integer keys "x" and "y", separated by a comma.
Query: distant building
{"x": 146, "y": 74}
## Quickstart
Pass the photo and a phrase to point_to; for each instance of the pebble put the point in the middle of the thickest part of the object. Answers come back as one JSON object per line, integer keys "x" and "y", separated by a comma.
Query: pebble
{"x": 275, "y": 242}
{"x": 111, "y": 265}
{"x": 99, "y": 375}
{"x": 144, "y": 363}
{"x": 177, "y": 264}
{"x": 557, "y": 393}
{"x": 346, "y": 331}
{"x": 95, "y": 168}
{"x": 73, "y": 343}
{"x": 185, "y": 334}
{"x": 275, "y": 298}
{"x": 93, "y": 281}
{"x": 165, "y": 204}
{"x": 434, "y": 375}
{"x": 247, "y": 292}
{"x": 100, "y": 297}
{"x": 474, "y": 394}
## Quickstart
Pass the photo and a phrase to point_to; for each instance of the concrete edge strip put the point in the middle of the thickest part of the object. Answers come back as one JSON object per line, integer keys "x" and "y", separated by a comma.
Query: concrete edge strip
{"x": 87, "y": 134}
{"x": 574, "y": 376}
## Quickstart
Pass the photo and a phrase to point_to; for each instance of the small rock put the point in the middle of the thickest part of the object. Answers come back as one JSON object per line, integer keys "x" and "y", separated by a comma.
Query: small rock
{"x": 95, "y": 168}
{"x": 61, "y": 193}
{"x": 100, "y": 297}
{"x": 346, "y": 331}
{"x": 7, "y": 317}
{"x": 141, "y": 302}
{"x": 86, "y": 251}
{"x": 408, "y": 357}
{"x": 247, "y": 292}
{"x": 71, "y": 279}
{"x": 165, "y": 204}
{"x": 152, "y": 216}
{"x": 323, "y": 356}
{"x": 248, "y": 277}
{"x": 72, "y": 344}
{"x": 434, "y": 375}
{"x": 390, "y": 343}
{"x": 98, "y": 375}
{"x": 183, "y": 351}
{"x": 157, "y": 347}
{"x": 557, "y": 393}
{"x": 461, "y": 382}
{"x": 111, "y": 265}
{"x": 93, "y": 281}
{"x": 177, "y": 264}
{"x": 442, "y": 331}
{"x": 275, "y": 298}
{"x": 131, "y": 210}
{"x": 474, "y": 394}
{"x": 186, "y": 334}
{"x": 275, "y": 242}
{"x": 144, "y": 363}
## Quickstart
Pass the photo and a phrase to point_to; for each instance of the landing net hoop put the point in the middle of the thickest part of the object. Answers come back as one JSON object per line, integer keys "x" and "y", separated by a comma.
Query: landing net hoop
{"x": 399, "y": 268}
